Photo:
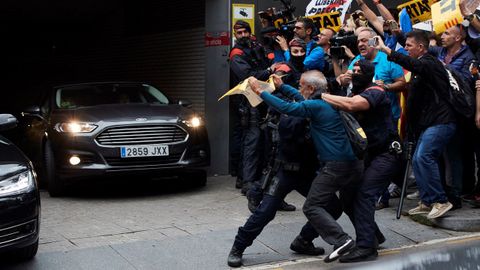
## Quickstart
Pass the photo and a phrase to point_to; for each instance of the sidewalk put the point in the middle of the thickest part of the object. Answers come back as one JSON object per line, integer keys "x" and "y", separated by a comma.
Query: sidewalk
{"x": 192, "y": 229}
{"x": 465, "y": 219}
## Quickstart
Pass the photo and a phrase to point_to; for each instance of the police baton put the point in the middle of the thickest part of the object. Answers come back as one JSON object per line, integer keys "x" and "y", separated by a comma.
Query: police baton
{"x": 405, "y": 178}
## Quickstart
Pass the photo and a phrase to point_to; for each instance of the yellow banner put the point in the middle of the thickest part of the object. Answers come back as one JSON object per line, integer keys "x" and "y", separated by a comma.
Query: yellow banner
{"x": 327, "y": 20}
{"x": 445, "y": 14}
{"x": 418, "y": 10}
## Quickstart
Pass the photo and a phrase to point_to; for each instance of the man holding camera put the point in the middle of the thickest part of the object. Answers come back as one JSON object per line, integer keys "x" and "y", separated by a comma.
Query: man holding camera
{"x": 304, "y": 29}
{"x": 371, "y": 107}
{"x": 388, "y": 75}
{"x": 432, "y": 120}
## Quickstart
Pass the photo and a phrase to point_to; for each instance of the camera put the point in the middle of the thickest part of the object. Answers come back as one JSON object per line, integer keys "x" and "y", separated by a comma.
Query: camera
{"x": 283, "y": 20}
{"x": 343, "y": 38}
{"x": 393, "y": 25}
{"x": 373, "y": 42}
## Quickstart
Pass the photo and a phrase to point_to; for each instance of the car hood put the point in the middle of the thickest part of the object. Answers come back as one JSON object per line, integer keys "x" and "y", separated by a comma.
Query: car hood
{"x": 124, "y": 112}
{"x": 12, "y": 160}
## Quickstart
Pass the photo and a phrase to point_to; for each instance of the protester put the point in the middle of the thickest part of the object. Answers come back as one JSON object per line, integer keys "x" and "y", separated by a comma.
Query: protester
{"x": 341, "y": 170}
{"x": 431, "y": 119}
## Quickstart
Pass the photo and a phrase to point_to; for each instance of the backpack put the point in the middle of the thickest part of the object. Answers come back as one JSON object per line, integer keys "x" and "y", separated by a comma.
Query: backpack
{"x": 460, "y": 94}
{"x": 355, "y": 133}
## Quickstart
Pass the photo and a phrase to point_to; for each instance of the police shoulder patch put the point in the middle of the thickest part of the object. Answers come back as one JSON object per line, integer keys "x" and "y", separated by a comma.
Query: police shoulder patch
{"x": 234, "y": 52}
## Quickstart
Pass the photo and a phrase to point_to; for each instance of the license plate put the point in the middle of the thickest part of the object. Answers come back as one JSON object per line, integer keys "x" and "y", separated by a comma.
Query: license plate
{"x": 144, "y": 151}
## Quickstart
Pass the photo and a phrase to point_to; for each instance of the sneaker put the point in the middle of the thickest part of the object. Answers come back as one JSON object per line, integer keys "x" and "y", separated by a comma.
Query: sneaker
{"x": 284, "y": 206}
{"x": 439, "y": 209}
{"x": 359, "y": 254}
{"x": 235, "y": 257}
{"x": 303, "y": 246}
{"x": 420, "y": 209}
{"x": 414, "y": 196}
{"x": 348, "y": 245}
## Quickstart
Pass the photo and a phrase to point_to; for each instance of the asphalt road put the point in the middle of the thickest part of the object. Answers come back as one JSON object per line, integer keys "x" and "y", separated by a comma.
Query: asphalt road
{"x": 166, "y": 224}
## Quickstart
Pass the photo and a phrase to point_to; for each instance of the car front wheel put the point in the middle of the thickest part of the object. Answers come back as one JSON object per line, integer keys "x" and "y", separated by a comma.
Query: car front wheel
{"x": 55, "y": 185}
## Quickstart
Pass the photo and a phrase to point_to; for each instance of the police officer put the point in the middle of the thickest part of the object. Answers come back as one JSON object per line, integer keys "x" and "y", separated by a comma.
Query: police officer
{"x": 291, "y": 71}
{"x": 247, "y": 58}
{"x": 294, "y": 168}
{"x": 371, "y": 107}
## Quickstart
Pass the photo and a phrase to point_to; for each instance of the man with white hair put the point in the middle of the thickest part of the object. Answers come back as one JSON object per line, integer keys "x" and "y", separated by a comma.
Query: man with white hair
{"x": 341, "y": 169}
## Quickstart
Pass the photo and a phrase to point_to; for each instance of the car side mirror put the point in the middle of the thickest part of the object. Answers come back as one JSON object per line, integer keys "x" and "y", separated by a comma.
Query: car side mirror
{"x": 185, "y": 103}
{"x": 33, "y": 111}
{"x": 7, "y": 121}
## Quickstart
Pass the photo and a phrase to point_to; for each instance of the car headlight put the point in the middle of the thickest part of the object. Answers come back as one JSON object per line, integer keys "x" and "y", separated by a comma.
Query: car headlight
{"x": 17, "y": 184}
{"x": 75, "y": 127}
{"x": 194, "y": 122}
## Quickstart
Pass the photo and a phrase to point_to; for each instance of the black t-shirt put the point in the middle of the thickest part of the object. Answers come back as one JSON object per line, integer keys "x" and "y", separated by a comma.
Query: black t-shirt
{"x": 377, "y": 121}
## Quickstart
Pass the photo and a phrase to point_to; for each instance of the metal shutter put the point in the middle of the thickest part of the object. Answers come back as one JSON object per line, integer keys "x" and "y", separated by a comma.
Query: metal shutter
{"x": 173, "y": 61}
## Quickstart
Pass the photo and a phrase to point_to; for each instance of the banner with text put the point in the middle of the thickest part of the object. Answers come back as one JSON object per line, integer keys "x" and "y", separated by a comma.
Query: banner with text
{"x": 328, "y": 6}
{"x": 446, "y": 14}
{"x": 327, "y": 20}
{"x": 418, "y": 10}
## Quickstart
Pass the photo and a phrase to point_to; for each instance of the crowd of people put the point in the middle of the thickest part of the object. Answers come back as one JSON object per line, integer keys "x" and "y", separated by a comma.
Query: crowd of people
{"x": 398, "y": 84}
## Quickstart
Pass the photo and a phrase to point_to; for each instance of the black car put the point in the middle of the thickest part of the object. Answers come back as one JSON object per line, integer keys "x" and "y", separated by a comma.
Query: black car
{"x": 19, "y": 199}
{"x": 114, "y": 128}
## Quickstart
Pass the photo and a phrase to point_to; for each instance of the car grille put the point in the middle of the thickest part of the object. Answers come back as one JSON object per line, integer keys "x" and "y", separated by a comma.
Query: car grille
{"x": 142, "y": 134}
{"x": 17, "y": 232}
{"x": 145, "y": 161}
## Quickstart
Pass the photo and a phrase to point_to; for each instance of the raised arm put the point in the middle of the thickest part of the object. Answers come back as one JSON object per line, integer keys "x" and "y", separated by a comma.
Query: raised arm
{"x": 371, "y": 16}
{"x": 384, "y": 12}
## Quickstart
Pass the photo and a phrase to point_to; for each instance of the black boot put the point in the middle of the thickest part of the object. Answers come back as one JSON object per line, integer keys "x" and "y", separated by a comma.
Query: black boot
{"x": 379, "y": 238}
{"x": 235, "y": 257}
{"x": 246, "y": 187}
{"x": 252, "y": 204}
{"x": 239, "y": 183}
{"x": 284, "y": 206}
{"x": 303, "y": 246}
{"x": 359, "y": 254}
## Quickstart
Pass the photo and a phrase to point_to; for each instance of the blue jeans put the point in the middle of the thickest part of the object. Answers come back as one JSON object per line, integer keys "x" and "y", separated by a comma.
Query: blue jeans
{"x": 430, "y": 147}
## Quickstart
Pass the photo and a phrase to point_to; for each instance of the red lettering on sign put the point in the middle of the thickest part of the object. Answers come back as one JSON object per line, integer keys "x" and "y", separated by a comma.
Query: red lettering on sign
{"x": 217, "y": 39}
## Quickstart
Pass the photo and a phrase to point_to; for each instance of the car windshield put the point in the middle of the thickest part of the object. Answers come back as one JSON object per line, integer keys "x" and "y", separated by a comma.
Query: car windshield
{"x": 100, "y": 94}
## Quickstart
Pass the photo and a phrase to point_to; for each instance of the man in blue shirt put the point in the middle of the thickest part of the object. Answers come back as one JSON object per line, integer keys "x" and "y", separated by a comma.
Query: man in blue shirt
{"x": 388, "y": 75}
{"x": 304, "y": 28}
{"x": 341, "y": 170}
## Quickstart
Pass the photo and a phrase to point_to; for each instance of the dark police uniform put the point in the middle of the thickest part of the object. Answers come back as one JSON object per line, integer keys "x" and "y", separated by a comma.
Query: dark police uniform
{"x": 381, "y": 164}
{"x": 247, "y": 139}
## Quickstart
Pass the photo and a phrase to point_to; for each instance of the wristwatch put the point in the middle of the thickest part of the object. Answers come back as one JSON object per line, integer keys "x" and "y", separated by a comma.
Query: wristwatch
{"x": 471, "y": 17}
